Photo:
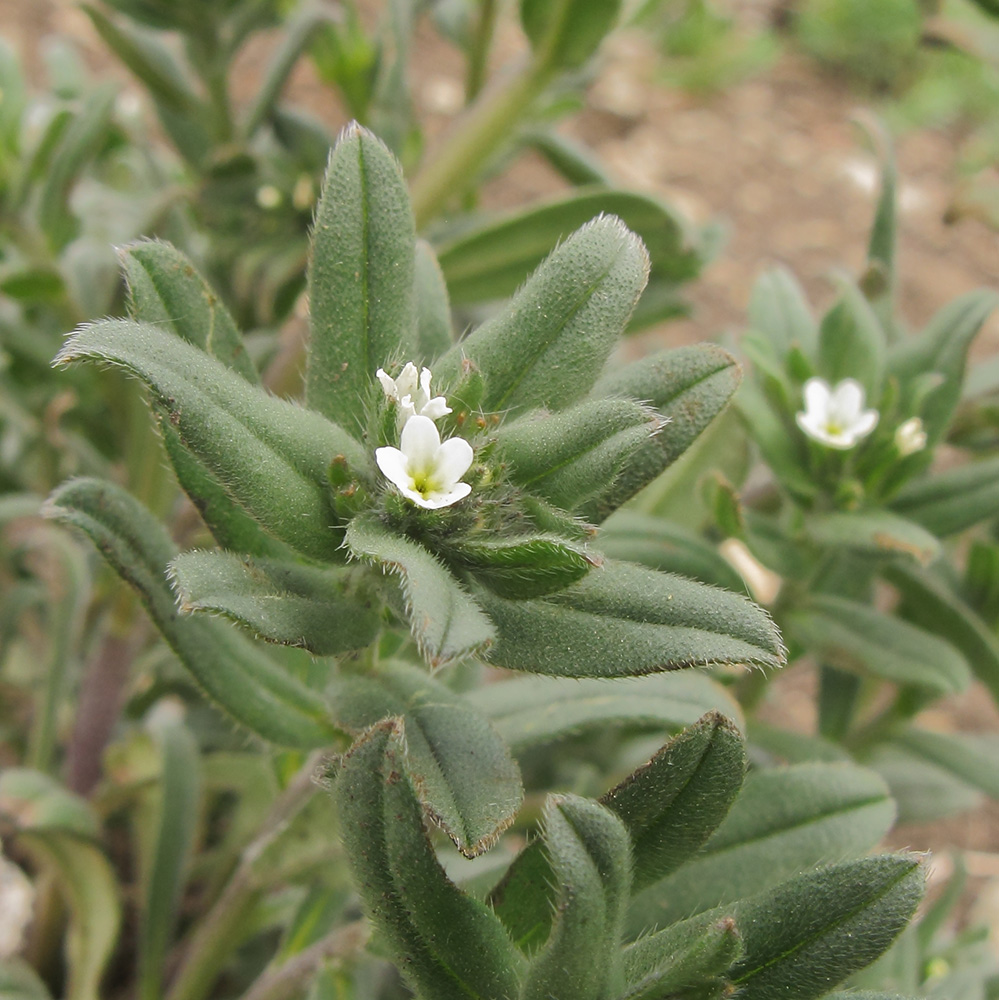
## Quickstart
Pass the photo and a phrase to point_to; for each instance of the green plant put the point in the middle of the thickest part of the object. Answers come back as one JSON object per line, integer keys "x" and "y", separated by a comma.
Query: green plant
{"x": 381, "y": 561}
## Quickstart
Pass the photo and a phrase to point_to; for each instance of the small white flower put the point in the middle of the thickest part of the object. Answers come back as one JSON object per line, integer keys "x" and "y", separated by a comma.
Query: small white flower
{"x": 413, "y": 396}
{"x": 836, "y": 416}
{"x": 910, "y": 437}
{"x": 425, "y": 470}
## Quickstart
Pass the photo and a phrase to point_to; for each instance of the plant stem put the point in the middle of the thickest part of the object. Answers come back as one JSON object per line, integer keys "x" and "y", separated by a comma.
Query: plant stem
{"x": 477, "y": 134}
{"x": 212, "y": 940}
{"x": 478, "y": 52}
{"x": 282, "y": 982}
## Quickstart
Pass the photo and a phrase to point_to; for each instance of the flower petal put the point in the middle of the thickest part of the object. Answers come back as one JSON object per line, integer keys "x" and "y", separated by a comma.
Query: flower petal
{"x": 395, "y": 467}
{"x": 865, "y": 423}
{"x": 420, "y": 441}
{"x": 441, "y": 499}
{"x": 817, "y": 394}
{"x": 453, "y": 459}
{"x": 407, "y": 381}
{"x": 847, "y": 400}
{"x": 388, "y": 383}
{"x": 436, "y": 408}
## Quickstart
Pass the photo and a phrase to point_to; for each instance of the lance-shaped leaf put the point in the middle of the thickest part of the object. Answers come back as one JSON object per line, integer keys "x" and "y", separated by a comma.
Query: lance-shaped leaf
{"x": 686, "y": 956}
{"x": 46, "y": 819}
{"x": 941, "y": 347}
{"x": 317, "y": 608}
{"x": 622, "y": 620}
{"x": 547, "y": 346}
{"x": 433, "y": 307}
{"x": 852, "y": 342}
{"x": 810, "y": 933}
{"x": 670, "y": 807}
{"x": 927, "y": 599}
{"x": 875, "y": 532}
{"x": 575, "y": 456}
{"x": 446, "y": 944}
{"x": 233, "y": 671}
{"x": 460, "y": 767}
{"x": 778, "y": 308}
{"x": 492, "y": 260}
{"x": 19, "y": 981}
{"x": 688, "y": 387}
{"x": 166, "y": 290}
{"x": 785, "y": 820}
{"x": 589, "y": 853}
{"x": 969, "y": 757}
{"x": 565, "y": 33}
{"x": 669, "y": 548}
{"x": 271, "y": 456}
{"x": 534, "y": 711}
{"x": 360, "y": 277}
{"x": 949, "y": 502}
{"x": 527, "y": 566}
{"x": 852, "y": 636}
{"x": 174, "y": 824}
{"x": 445, "y": 620}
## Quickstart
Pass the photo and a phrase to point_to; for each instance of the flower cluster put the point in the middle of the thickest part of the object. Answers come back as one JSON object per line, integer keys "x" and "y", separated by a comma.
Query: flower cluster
{"x": 426, "y": 470}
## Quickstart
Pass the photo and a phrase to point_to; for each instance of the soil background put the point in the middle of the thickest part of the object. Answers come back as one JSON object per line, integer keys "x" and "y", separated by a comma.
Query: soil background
{"x": 779, "y": 160}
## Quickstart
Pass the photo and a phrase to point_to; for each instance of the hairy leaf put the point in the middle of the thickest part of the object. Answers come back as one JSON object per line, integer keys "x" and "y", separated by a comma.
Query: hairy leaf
{"x": 461, "y": 769}
{"x": 360, "y": 278}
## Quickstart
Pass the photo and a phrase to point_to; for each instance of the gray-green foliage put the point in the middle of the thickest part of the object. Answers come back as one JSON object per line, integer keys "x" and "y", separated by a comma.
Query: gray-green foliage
{"x": 318, "y": 549}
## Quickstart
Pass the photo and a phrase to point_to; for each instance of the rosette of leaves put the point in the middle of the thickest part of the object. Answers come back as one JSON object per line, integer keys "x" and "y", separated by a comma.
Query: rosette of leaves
{"x": 836, "y": 523}
{"x": 681, "y": 882}
{"x": 317, "y": 550}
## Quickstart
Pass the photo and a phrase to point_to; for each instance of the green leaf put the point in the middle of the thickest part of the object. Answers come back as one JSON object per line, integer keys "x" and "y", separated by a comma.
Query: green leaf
{"x": 930, "y": 602}
{"x": 446, "y": 621}
{"x": 852, "y": 343}
{"x": 859, "y": 638}
{"x": 447, "y": 945}
{"x": 19, "y": 981}
{"x": 952, "y": 501}
{"x": 589, "y": 852}
{"x": 166, "y": 290}
{"x": 688, "y": 387}
{"x": 460, "y": 767}
{"x": 534, "y": 711}
{"x": 433, "y": 308}
{"x": 271, "y": 456}
{"x": 684, "y": 955}
{"x": 922, "y": 790}
{"x": 811, "y": 932}
{"x": 969, "y": 757}
{"x": 565, "y": 33}
{"x": 546, "y": 347}
{"x": 317, "y": 608}
{"x": 873, "y": 532}
{"x": 229, "y": 668}
{"x": 941, "y": 347}
{"x": 361, "y": 278}
{"x": 176, "y": 823}
{"x": 779, "y": 310}
{"x": 78, "y": 144}
{"x": 298, "y": 31}
{"x": 48, "y": 829}
{"x": 786, "y": 820}
{"x": 669, "y": 548}
{"x": 670, "y": 807}
{"x": 573, "y": 458}
{"x": 492, "y": 260}
{"x": 621, "y": 620}
{"x": 34, "y": 801}
{"x": 528, "y": 566}
{"x": 570, "y": 158}
{"x": 33, "y": 285}
{"x": 674, "y": 803}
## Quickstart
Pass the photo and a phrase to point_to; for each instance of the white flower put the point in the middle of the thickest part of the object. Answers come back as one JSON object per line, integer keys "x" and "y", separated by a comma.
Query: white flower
{"x": 836, "y": 416}
{"x": 425, "y": 470}
{"x": 414, "y": 398}
{"x": 910, "y": 437}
